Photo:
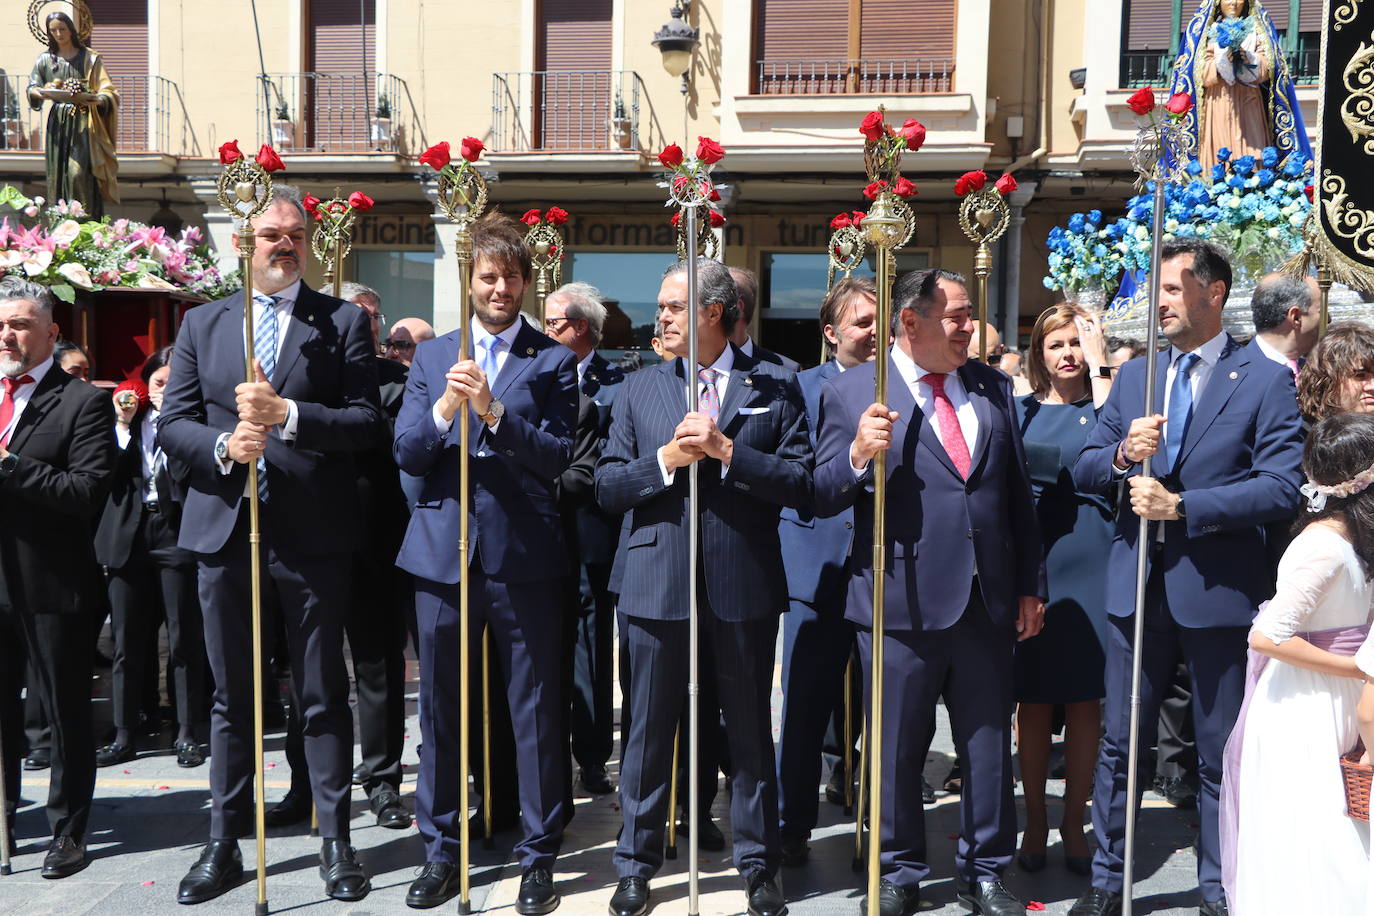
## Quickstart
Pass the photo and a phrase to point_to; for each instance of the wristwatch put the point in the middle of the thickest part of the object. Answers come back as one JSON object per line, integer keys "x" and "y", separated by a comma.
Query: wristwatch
{"x": 9, "y": 464}
{"x": 495, "y": 411}
{"x": 222, "y": 447}
{"x": 1104, "y": 371}
{"x": 1179, "y": 508}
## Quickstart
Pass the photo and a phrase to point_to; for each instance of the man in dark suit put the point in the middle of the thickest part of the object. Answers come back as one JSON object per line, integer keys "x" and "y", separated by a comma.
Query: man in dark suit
{"x": 313, "y": 406}
{"x": 57, "y": 450}
{"x": 817, "y": 640}
{"x": 1227, "y": 450}
{"x": 749, "y": 432}
{"x": 966, "y": 578}
{"x": 747, "y": 282}
{"x": 521, "y": 395}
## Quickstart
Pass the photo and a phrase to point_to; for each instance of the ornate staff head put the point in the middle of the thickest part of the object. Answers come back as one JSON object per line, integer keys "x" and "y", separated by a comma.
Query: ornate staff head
{"x": 689, "y": 185}
{"x": 984, "y": 215}
{"x": 889, "y": 223}
{"x": 546, "y": 249}
{"x": 332, "y": 239}
{"x": 1162, "y": 148}
{"x": 462, "y": 189}
{"x": 848, "y": 245}
{"x": 245, "y": 187}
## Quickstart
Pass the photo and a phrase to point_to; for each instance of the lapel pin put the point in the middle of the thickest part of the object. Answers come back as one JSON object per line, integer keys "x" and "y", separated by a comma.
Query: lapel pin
{"x": 1082, "y": 421}
{"x": 748, "y": 380}
{"x": 1235, "y": 375}
{"x": 981, "y": 386}
{"x": 529, "y": 351}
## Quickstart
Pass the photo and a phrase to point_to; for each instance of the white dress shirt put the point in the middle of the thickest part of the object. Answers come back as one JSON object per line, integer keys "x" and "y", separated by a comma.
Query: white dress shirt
{"x": 912, "y": 374}
{"x": 1208, "y": 355}
{"x": 22, "y": 395}
{"x": 582, "y": 365}
{"x": 722, "y": 365}
{"x": 148, "y": 445}
{"x": 480, "y": 342}
{"x": 747, "y": 348}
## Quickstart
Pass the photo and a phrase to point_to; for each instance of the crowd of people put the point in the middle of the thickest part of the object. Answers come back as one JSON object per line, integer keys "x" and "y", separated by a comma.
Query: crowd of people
{"x": 1015, "y": 501}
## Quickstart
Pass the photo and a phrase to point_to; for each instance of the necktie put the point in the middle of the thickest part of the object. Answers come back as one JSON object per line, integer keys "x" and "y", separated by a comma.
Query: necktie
{"x": 1294, "y": 367}
{"x": 1180, "y": 409}
{"x": 491, "y": 348}
{"x": 951, "y": 433}
{"x": 265, "y": 351}
{"x": 7, "y": 405}
{"x": 708, "y": 401}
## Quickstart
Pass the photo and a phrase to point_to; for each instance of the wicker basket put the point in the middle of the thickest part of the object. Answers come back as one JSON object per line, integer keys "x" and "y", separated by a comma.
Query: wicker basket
{"x": 1356, "y": 776}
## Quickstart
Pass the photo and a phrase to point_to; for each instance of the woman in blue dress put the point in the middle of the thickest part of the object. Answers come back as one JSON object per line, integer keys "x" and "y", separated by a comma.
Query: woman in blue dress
{"x": 1069, "y": 370}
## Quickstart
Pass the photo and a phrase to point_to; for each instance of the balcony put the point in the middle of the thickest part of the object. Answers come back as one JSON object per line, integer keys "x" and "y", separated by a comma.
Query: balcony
{"x": 585, "y": 111}
{"x": 152, "y": 117}
{"x": 1155, "y": 68}
{"x": 360, "y": 111}
{"x": 847, "y": 76}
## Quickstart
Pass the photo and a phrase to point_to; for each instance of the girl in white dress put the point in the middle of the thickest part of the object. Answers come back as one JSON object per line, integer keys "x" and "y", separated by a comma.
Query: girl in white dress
{"x": 1283, "y": 854}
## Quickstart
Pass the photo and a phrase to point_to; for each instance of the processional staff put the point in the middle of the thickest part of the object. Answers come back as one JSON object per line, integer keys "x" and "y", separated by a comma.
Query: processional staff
{"x": 984, "y": 215}
{"x": 245, "y": 191}
{"x": 332, "y": 240}
{"x": 546, "y": 251}
{"x": 463, "y": 196}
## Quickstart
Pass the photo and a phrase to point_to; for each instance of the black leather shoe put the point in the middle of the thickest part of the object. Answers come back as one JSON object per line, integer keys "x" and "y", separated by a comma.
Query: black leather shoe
{"x": 66, "y": 856}
{"x": 1097, "y": 902}
{"x": 537, "y": 893}
{"x": 111, "y": 754}
{"x": 834, "y": 788}
{"x": 219, "y": 868}
{"x": 631, "y": 897}
{"x": 292, "y": 809}
{"x": 954, "y": 782}
{"x": 360, "y": 775}
{"x": 990, "y": 897}
{"x": 765, "y": 897}
{"x": 386, "y": 804}
{"x": 1214, "y": 908}
{"x": 894, "y": 900}
{"x": 596, "y": 782}
{"x": 795, "y": 852}
{"x": 189, "y": 754}
{"x": 927, "y": 792}
{"x": 344, "y": 878}
{"x": 437, "y": 885}
{"x": 709, "y": 839}
{"x": 40, "y": 758}
{"x": 1175, "y": 791}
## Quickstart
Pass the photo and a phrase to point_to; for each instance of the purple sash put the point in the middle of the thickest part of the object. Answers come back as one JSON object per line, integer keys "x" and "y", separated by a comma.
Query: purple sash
{"x": 1338, "y": 641}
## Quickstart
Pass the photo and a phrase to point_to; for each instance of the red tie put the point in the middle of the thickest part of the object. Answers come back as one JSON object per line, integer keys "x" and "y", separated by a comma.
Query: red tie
{"x": 951, "y": 434}
{"x": 7, "y": 405}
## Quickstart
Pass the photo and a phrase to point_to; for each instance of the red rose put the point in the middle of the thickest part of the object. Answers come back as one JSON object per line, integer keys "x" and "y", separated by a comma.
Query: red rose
{"x": 709, "y": 151}
{"x": 858, "y": 216}
{"x": 677, "y": 218}
{"x": 310, "y": 203}
{"x": 1310, "y": 192}
{"x": 1005, "y": 185}
{"x": 914, "y": 132}
{"x": 471, "y": 149}
{"x": 269, "y": 160}
{"x": 360, "y": 201}
{"x": 841, "y": 222}
{"x": 904, "y": 188}
{"x": 437, "y": 156}
{"x": 874, "y": 189}
{"x": 531, "y": 218}
{"x": 230, "y": 153}
{"x": 717, "y": 218}
{"x": 556, "y": 216}
{"x": 970, "y": 182}
{"x": 1179, "y": 103}
{"x": 714, "y": 196}
{"x": 553, "y": 251}
{"x": 872, "y": 126}
{"x": 1142, "y": 101}
{"x": 671, "y": 157}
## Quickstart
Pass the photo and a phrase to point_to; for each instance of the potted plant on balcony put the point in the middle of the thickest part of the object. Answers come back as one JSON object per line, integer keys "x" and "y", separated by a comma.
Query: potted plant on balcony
{"x": 283, "y": 129}
{"x": 381, "y": 123}
{"x": 621, "y": 135}
{"x": 13, "y": 123}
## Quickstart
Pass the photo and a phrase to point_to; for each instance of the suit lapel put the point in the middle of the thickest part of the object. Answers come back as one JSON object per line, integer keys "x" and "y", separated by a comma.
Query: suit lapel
{"x": 47, "y": 395}
{"x": 739, "y": 389}
{"x": 978, "y": 398}
{"x": 299, "y": 330}
{"x": 518, "y": 362}
{"x": 673, "y": 390}
{"x": 1227, "y": 375}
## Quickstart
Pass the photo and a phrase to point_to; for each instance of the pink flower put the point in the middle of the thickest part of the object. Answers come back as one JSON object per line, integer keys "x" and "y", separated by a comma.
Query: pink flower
{"x": 192, "y": 235}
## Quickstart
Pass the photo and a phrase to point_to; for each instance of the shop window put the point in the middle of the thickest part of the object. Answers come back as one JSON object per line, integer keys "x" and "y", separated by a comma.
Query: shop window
{"x": 404, "y": 279}
{"x": 630, "y": 281}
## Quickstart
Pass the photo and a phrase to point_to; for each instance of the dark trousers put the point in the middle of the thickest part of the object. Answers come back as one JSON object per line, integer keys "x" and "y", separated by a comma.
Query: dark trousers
{"x": 376, "y": 628}
{"x": 816, "y": 645}
{"x": 57, "y": 651}
{"x": 310, "y": 592}
{"x": 743, "y": 654}
{"x": 1176, "y": 756}
{"x": 526, "y": 647}
{"x": 970, "y": 665}
{"x": 37, "y": 732}
{"x": 592, "y": 655}
{"x": 157, "y": 576}
{"x": 1215, "y": 657}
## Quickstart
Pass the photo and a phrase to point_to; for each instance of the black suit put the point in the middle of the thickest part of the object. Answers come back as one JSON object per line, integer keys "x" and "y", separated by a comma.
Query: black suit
{"x": 765, "y": 355}
{"x": 49, "y": 582}
{"x": 311, "y": 524}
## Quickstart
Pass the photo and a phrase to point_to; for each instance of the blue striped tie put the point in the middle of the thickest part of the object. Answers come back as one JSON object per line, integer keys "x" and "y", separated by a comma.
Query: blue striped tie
{"x": 1180, "y": 409}
{"x": 265, "y": 351}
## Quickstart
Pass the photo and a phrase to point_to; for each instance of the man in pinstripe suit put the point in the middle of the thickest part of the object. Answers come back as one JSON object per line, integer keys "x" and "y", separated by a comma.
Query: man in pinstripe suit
{"x": 749, "y": 433}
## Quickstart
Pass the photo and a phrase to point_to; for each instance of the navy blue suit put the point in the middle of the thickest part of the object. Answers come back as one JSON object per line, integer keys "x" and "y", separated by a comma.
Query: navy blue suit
{"x": 1239, "y": 469}
{"x": 518, "y": 560}
{"x": 962, "y": 552}
{"x": 816, "y": 638}
{"x": 742, "y": 589}
{"x": 310, "y": 522}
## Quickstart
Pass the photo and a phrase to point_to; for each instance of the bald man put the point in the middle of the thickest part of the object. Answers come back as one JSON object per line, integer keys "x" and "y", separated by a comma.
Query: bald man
{"x": 995, "y": 347}
{"x": 405, "y": 334}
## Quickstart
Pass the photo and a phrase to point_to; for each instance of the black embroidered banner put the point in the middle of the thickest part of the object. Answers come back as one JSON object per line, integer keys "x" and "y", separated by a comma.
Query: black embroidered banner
{"x": 1345, "y": 156}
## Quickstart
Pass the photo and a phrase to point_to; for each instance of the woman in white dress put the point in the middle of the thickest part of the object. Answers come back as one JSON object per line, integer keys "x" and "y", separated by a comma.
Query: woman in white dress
{"x": 1280, "y": 854}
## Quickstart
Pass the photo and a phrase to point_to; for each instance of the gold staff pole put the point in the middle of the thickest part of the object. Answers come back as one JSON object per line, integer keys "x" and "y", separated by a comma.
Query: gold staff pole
{"x": 463, "y": 195}
{"x": 846, "y": 250}
{"x": 487, "y": 841}
{"x": 848, "y": 738}
{"x": 984, "y": 216}
{"x": 858, "y": 863}
{"x": 245, "y": 190}
{"x": 670, "y": 848}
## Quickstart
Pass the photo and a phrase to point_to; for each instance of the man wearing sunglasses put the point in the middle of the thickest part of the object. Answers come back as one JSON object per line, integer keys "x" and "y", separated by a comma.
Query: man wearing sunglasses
{"x": 405, "y": 334}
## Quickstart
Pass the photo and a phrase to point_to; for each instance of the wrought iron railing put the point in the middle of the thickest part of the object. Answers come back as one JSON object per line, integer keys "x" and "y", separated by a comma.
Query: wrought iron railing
{"x": 848, "y": 76}
{"x": 573, "y": 110}
{"x": 1155, "y": 68}
{"x": 152, "y": 117}
{"x": 342, "y": 112}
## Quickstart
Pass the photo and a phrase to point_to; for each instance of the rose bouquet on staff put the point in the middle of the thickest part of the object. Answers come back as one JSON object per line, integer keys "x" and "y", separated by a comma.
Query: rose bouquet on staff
{"x": 689, "y": 178}
{"x": 440, "y": 158}
{"x": 337, "y": 209}
{"x": 553, "y": 216}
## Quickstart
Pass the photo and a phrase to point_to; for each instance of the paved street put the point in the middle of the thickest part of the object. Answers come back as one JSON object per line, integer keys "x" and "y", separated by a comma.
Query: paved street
{"x": 151, "y": 817}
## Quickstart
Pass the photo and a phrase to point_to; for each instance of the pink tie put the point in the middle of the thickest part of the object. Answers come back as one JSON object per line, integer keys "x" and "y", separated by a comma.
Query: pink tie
{"x": 708, "y": 402}
{"x": 1294, "y": 368}
{"x": 7, "y": 405}
{"x": 951, "y": 434}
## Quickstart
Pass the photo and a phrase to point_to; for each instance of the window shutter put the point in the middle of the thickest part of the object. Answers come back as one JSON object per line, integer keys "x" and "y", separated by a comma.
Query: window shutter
{"x": 574, "y": 90}
{"x": 1149, "y": 23}
{"x": 1278, "y": 13}
{"x": 802, "y": 46}
{"x": 120, "y": 34}
{"x": 907, "y": 45}
{"x": 1309, "y": 16}
{"x": 339, "y": 88}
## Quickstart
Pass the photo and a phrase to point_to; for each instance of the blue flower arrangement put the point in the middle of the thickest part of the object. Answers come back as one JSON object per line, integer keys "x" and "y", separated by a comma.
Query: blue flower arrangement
{"x": 1255, "y": 207}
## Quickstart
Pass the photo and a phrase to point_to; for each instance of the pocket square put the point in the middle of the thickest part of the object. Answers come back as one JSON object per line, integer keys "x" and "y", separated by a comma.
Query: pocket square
{"x": 751, "y": 411}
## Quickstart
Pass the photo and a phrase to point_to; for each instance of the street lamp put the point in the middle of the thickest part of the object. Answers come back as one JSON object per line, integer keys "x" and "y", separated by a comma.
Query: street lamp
{"x": 677, "y": 41}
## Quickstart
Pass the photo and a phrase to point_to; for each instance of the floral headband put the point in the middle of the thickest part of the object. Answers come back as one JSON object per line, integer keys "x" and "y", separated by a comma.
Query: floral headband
{"x": 1317, "y": 494}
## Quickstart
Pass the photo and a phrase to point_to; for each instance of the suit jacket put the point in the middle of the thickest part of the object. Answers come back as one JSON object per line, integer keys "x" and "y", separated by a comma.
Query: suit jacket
{"x": 943, "y": 530}
{"x": 598, "y": 530}
{"x": 514, "y": 527}
{"x": 762, "y": 413}
{"x": 118, "y": 527}
{"x": 815, "y": 551}
{"x": 328, "y": 367}
{"x": 1239, "y": 468}
{"x": 765, "y": 355}
{"x": 65, "y": 446}
{"x": 1277, "y": 535}
{"x": 385, "y": 513}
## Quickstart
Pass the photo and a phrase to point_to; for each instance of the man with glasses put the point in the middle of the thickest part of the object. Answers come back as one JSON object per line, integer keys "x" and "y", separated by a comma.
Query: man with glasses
{"x": 405, "y": 335}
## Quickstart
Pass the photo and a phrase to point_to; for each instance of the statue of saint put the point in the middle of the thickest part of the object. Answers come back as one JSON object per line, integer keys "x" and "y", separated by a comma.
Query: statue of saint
{"x": 80, "y": 135}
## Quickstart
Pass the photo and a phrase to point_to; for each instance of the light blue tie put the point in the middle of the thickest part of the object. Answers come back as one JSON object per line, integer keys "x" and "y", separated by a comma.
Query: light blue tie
{"x": 1180, "y": 408}
{"x": 490, "y": 348}
{"x": 265, "y": 351}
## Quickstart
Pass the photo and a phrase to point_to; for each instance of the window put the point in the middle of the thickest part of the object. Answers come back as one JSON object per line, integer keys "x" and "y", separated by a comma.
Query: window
{"x": 630, "y": 281}
{"x": 339, "y": 85}
{"x": 404, "y": 280}
{"x": 120, "y": 34}
{"x": 826, "y": 47}
{"x": 572, "y": 88}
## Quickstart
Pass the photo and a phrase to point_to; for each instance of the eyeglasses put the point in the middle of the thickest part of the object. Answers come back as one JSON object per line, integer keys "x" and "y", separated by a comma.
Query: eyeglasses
{"x": 401, "y": 345}
{"x": 552, "y": 323}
